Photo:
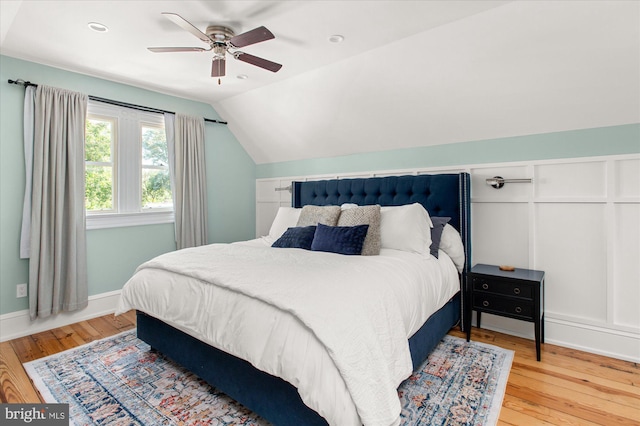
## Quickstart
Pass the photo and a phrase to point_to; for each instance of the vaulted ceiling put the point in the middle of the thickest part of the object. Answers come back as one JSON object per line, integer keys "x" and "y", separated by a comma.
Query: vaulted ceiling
{"x": 407, "y": 74}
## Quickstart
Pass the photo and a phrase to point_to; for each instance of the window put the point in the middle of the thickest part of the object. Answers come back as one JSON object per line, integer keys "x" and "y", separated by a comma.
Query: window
{"x": 127, "y": 171}
{"x": 100, "y": 167}
{"x": 156, "y": 186}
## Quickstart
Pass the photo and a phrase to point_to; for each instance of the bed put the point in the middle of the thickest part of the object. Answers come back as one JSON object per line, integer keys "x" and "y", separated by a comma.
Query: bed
{"x": 283, "y": 382}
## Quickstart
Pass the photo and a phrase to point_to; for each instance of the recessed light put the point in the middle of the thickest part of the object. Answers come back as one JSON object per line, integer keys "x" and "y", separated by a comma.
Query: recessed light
{"x": 242, "y": 76}
{"x": 98, "y": 27}
{"x": 336, "y": 38}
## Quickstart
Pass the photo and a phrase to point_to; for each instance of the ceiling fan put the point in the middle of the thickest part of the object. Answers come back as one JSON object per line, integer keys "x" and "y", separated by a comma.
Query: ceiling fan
{"x": 221, "y": 40}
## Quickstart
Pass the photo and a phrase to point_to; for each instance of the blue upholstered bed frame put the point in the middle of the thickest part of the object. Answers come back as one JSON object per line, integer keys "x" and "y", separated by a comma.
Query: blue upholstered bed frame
{"x": 273, "y": 398}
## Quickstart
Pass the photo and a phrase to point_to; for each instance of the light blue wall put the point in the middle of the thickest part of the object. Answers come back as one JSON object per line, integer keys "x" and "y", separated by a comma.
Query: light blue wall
{"x": 570, "y": 144}
{"x": 113, "y": 254}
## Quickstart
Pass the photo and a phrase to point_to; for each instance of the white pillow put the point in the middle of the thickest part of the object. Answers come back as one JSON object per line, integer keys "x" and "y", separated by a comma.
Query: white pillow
{"x": 347, "y": 206}
{"x": 451, "y": 243}
{"x": 406, "y": 228}
{"x": 287, "y": 217}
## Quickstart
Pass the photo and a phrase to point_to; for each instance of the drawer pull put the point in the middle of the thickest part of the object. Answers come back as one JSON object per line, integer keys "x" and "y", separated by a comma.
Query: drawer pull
{"x": 485, "y": 286}
{"x": 485, "y": 303}
{"x": 516, "y": 290}
{"x": 518, "y": 310}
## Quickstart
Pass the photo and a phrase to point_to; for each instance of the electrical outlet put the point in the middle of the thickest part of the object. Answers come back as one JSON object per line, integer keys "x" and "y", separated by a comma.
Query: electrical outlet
{"x": 21, "y": 290}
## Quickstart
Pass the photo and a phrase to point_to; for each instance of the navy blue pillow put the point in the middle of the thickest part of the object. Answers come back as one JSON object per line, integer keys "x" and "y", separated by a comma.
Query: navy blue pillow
{"x": 339, "y": 239}
{"x": 299, "y": 237}
{"x": 436, "y": 233}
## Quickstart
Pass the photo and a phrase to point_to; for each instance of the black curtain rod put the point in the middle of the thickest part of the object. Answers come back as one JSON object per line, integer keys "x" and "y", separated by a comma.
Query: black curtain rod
{"x": 117, "y": 103}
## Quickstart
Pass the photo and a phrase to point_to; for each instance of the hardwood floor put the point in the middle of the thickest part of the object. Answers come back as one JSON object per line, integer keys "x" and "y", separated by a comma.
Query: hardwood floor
{"x": 568, "y": 387}
{"x": 15, "y": 386}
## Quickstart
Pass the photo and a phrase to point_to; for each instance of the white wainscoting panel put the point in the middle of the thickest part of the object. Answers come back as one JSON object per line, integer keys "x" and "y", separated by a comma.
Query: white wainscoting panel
{"x": 571, "y": 248}
{"x": 626, "y": 267}
{"x": 271, "y": 194}
{"x": 266, "y": 191}
{"x": 571, "y": 180}
{"x": 500, "y": 231}
{"x": 627, "y": 179}
{"x": 579, "y": 221}
{"x": 265, "y": 213}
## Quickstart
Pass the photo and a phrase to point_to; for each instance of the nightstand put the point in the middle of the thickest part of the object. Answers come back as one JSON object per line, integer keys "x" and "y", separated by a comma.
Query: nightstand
{"x": 515, "y": 294}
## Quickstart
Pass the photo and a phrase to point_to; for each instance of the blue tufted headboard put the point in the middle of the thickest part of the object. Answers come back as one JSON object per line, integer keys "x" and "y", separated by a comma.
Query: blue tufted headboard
{"x": 441, "y": 194}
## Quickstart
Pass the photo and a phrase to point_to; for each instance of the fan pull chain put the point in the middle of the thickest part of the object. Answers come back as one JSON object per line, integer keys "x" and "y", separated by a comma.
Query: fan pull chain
{"x": 219, "y": 82}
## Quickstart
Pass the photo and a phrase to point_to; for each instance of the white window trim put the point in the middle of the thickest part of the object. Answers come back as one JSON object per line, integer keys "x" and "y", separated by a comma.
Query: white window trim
{"x": 130, "y": 212}
{"x": 117, "y": 220}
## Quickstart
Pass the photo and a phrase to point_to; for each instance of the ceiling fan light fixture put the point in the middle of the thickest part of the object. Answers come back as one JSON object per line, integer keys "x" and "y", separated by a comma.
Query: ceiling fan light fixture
{"x": 218, "y": 67}
{"x": 219, "y": 51}
{"x": 98, "y": 27}
{"x": 242, "y": 76}
{"x": 221, "y": 40}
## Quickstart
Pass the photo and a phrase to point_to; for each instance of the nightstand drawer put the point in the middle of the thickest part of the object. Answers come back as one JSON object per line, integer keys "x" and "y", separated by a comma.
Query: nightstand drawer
{"x": 503, "y": 305}
{"x": 507, "y": 288}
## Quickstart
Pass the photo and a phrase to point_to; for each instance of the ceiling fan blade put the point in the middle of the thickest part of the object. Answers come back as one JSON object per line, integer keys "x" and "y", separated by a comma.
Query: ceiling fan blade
{"x": 259, "y": 62}
{"x": 251, "y": 37}
{"x": 218, "y": 67}
{"x": 186, "y": 25}
{"x": 176, "y": 49}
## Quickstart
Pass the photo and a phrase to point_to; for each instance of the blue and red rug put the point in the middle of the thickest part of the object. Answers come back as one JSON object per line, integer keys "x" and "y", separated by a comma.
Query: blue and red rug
{"x": 119, "y": 381}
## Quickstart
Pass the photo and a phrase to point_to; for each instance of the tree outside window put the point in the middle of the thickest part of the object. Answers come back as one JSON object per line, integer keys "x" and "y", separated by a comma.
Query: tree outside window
{"x": 99, "y": 174}
{"x": 156, "y": 186}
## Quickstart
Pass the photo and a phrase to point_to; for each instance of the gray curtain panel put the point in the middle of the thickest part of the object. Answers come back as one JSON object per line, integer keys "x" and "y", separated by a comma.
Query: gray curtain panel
{"x": 29, "y": 111}
{"x": 188, "y": 178}
{"x": 58, "y": 265}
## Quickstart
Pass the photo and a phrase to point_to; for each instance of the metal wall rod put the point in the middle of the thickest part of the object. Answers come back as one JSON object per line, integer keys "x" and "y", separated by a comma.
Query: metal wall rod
{"x": 498, "y": 181}
{"x": 117, "y": 103}
{"x": 284, "y": 188}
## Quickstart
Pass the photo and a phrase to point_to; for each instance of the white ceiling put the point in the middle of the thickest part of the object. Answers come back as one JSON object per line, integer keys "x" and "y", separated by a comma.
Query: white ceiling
{"x": 408, "y": 74}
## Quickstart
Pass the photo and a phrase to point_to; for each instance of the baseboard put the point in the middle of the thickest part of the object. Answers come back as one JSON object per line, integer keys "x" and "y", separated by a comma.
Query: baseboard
{"x": 598, "y": 340}
{"x": 570, "y": 334}
{"x": 17, "y": 324}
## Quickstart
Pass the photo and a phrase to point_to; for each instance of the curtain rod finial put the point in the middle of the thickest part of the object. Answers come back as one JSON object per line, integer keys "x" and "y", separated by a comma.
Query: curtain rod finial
{"x": 21, "y": 82}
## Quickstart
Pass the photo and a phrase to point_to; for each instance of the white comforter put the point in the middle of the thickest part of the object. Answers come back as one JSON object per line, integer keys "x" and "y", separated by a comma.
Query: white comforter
{"x": 334, "y": 326}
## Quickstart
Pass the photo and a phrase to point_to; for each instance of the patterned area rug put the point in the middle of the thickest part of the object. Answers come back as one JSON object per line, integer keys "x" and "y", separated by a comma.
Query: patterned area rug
{"x": 119, "y": 381}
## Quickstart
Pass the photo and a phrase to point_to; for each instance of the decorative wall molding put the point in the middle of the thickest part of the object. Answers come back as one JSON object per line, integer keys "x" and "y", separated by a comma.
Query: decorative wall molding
{"x": 17, "y": 324}
{"x": 579, "y": 221}
{"x": 571, "y": 334}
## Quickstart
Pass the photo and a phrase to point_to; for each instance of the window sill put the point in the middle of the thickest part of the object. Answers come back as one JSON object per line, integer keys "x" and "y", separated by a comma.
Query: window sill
{"x": 117, "y": 220}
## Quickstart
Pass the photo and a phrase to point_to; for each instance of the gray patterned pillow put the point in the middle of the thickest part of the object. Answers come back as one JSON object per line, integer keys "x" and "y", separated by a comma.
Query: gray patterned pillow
{"x": 313, "y": 215}
{"x": 364, "y": 215}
